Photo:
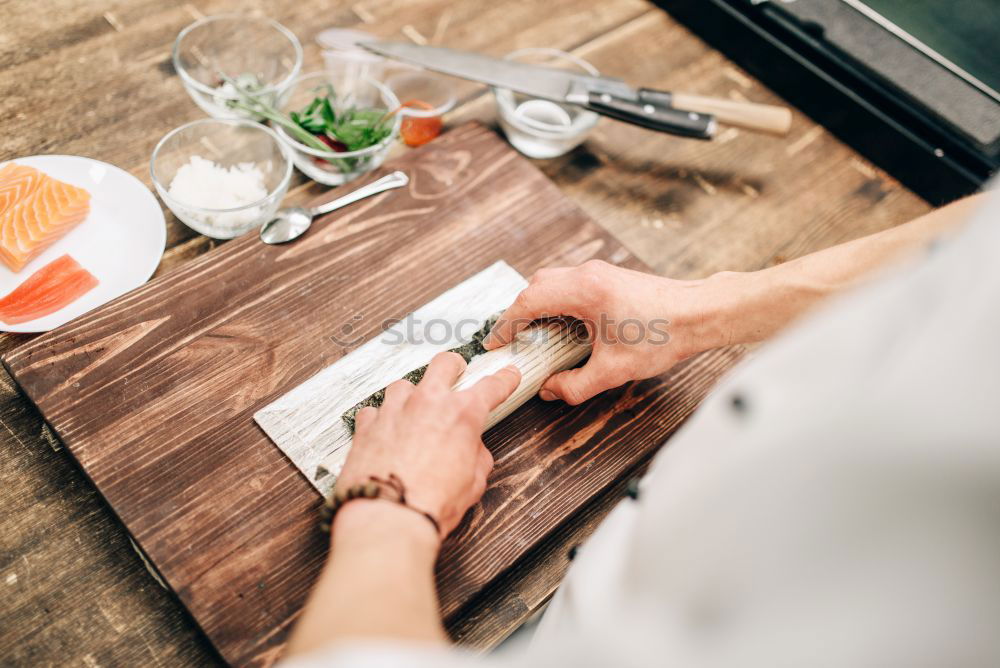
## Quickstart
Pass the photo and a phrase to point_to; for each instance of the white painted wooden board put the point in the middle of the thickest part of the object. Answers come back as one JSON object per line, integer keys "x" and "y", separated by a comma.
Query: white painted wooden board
{"x": 306, "y": 422}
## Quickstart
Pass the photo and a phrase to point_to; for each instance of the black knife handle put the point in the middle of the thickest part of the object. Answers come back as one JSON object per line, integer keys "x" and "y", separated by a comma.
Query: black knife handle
{"x": 653, "y": 116}
{"x": 660, "y": 98}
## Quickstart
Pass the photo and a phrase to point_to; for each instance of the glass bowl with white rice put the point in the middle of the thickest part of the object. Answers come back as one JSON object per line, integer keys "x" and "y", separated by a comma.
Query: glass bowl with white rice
{"x": 215, "y": 54}
{"x": 221, "y": 178}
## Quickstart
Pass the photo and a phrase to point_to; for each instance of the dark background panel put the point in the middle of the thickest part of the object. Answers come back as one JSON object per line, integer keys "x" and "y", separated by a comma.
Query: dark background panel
{"x": 963, "y": 31}
{"x": 934, "y": 131}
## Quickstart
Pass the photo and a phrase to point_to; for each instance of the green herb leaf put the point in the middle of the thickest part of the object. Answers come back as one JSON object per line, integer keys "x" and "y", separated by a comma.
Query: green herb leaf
{"x": 355, "y": 128}
{"x": 328, "y": 116}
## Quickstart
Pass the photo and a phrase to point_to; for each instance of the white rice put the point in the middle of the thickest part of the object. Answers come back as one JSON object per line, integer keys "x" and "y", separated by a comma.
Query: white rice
{"x": 202, "y": 183}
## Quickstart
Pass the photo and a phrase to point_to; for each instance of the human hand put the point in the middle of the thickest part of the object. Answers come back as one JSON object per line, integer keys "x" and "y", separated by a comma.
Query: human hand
{"x": 640, "y": 325}
{"x": 430, "y": 437}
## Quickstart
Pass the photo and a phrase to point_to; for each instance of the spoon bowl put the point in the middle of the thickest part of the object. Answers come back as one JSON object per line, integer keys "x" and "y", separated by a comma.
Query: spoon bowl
{"x": 288, "y": 224}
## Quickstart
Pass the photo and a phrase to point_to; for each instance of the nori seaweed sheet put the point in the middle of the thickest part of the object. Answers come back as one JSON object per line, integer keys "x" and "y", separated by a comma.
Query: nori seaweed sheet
{"x": 466, "y": 350}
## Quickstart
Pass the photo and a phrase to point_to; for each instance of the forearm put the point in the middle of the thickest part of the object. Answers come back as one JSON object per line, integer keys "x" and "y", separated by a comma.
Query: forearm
{"x": 753, "y": 306}
{"x": 378, "y": 581}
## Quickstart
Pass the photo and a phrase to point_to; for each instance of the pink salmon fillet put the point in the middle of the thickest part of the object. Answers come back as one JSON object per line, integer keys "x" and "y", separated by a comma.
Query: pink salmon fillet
{"x": 36, "y": 210}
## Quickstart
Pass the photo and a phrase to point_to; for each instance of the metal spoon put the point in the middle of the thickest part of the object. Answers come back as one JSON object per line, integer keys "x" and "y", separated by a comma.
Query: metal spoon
{"x": 292, "y": 223}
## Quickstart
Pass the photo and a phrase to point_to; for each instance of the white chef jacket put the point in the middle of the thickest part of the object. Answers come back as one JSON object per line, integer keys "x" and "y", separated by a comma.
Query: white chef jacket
{"x": 834, "y": 502}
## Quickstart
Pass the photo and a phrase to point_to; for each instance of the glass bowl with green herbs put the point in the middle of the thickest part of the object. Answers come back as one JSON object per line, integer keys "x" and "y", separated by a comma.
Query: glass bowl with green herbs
{"x": 335, "y": 134}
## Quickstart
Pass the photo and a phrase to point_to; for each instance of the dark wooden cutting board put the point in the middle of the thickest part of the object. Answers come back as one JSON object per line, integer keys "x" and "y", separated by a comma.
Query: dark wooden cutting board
{"x": 154, "y": 393}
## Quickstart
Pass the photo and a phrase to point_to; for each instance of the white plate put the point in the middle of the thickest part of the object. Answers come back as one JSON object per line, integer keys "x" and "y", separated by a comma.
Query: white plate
{"x": 121, "y": 241}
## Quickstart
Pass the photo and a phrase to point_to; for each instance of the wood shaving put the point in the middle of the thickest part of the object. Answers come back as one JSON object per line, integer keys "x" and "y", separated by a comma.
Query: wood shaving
{"x": 704, "y": 184}
{"x": 363, "y": 14}
{"x": 113, "y": 20}
{"x": 414, "y": 35}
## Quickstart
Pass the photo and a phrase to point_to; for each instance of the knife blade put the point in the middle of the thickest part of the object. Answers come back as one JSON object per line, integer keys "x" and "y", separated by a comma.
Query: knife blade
{"x": 544, "y": 82}
{"x": 604, "y": 95}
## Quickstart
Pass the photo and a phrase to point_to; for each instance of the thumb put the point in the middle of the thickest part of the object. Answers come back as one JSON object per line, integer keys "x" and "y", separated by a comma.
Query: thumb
{"x": 577, "y": 385}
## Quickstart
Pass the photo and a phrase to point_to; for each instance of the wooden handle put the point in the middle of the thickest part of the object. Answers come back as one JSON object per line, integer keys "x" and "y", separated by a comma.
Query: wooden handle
{"x": 750, "y": 115}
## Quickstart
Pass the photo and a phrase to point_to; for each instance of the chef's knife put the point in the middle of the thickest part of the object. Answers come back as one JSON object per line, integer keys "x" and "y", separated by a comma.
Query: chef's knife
{"x": 680, "y": 113}
{"x": 603, "y": 95}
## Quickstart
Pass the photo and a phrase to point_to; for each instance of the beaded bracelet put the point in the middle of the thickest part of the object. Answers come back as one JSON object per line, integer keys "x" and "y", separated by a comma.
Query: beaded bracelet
{"x": 390, "y": 489}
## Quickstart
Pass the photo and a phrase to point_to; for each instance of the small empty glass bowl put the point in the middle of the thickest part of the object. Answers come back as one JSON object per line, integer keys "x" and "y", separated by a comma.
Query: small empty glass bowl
{"x": 345, "y": 60}
{"x": 221, "y": 177}
{"x": 334, "y": 168}
{"x": 256, "y": 53}
{"x": 542, "y": 128}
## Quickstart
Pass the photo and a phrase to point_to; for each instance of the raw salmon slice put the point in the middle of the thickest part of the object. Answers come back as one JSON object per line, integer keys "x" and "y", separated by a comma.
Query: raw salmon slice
{"x": 57, "y": 284}
{"x": 40, "y": 218}
{"x": 16, "y": 183}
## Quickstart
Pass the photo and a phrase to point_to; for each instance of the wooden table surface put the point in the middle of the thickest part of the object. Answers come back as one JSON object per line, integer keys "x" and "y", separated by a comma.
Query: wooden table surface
{"x": 94, "y": 78}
